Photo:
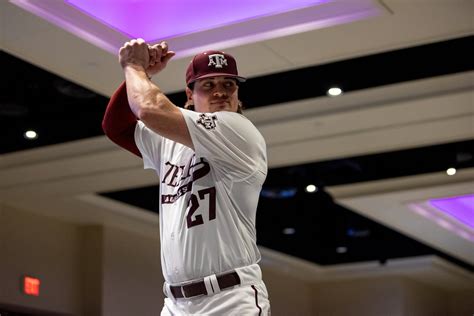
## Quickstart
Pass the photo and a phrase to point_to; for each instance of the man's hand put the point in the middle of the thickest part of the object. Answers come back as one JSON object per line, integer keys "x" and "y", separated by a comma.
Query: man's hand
{"x": 134, "y": 53}
{"x": 152, "y": 59}
{"x": 159, "y": 57}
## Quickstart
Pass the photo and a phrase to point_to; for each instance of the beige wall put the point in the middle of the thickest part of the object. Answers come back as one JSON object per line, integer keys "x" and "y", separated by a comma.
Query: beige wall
{"x": 461, "y": 303}
{"x": 368, "y": 297}
{"x": 94, "y": 270}
{"x": 132, "y": 274}
{"x": 44, "y": 248}
{"x": 92, "y": 262}
{"x": 288, "y": 296}
{"x": 424, "y": 300}
{"x": 84, "y": 270}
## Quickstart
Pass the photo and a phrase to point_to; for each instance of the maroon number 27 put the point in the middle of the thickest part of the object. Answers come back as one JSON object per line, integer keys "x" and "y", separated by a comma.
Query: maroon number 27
{"x": 193, "y": 205}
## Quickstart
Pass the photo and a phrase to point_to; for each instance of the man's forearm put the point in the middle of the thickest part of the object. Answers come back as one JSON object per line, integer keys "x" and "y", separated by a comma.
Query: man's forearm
{"x": 143, "y": 95}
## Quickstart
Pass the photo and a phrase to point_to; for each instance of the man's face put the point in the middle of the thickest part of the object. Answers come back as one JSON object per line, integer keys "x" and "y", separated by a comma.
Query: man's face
{"x": 214, "y": 94}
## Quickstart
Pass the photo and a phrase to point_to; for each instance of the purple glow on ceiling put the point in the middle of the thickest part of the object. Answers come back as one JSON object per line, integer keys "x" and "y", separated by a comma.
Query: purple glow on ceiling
{"x": 156, "y": 20}
{"x": 455, "y": 213}
{"x": 459, "y": 207}
{"x": 191, "y": 26}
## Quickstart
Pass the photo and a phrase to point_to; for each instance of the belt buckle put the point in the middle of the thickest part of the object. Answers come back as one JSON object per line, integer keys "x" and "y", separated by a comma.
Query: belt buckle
{"x": 182, "y": 291}
{"x": 181, "y": 287}
{"x": 186, "y": 284}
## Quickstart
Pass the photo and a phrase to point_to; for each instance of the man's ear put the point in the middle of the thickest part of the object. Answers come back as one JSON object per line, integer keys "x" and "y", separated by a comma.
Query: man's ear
{"x": 189, "y": 94}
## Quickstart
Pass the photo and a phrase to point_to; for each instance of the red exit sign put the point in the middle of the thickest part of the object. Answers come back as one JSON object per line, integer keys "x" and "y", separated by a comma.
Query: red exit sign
{"x": 31, "y": 285}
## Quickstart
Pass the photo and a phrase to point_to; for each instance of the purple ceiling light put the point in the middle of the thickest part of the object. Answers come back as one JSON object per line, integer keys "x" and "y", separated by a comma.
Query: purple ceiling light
{"x": 459, "y": 207}
{"x": 454, "y": 213}
{"x": 190, "y": 26}
{"x": 155, "y": 20}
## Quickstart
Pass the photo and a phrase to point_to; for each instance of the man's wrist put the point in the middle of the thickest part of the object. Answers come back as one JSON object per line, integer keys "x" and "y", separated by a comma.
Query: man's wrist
{"x": 136, "y": 69}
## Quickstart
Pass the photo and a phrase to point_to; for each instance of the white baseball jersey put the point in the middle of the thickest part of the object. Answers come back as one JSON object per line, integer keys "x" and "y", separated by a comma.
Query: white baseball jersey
{"x": 208, "y": 197}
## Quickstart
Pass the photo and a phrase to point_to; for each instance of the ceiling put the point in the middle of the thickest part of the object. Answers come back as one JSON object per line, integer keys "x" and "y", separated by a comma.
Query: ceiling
{"x": 406, "y": 116}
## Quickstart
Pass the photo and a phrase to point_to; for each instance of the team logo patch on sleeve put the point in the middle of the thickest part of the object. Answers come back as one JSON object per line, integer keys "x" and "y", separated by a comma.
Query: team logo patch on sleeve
{"x": 208, "y": 121}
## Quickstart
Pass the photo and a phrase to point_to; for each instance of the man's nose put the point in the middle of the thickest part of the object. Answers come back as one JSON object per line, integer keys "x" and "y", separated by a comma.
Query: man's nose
{"x": 220, "y": 92}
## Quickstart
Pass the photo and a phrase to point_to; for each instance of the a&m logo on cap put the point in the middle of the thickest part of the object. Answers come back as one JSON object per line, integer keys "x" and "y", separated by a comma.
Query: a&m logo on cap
{"x": 217, "y": 60}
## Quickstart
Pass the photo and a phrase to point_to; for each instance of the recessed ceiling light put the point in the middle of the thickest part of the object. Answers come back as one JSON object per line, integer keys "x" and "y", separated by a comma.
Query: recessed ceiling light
{"x": 357, "y": 233}
{"x": 311, "y": 188}
{"x": 335, "y": 91}
{"x": 451, "y": 171}
{"x": 278, "y": 193}
{"x": 341, "y": 249}
{"x": 289, "y": 231}
{"x": 30, "y": 134}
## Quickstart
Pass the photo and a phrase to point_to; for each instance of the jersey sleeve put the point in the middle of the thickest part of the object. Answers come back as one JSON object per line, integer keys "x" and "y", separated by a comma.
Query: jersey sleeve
{"x": 229, "y": 140}
{"x": 119, "y": 122}
{"x": 149, "y": 143}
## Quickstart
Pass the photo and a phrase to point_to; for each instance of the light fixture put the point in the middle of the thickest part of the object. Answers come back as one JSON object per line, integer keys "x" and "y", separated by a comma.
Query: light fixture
{"x": 289, "y": 231}
{"x": 453, "y": 213}
{"x": 451, "y": 171}
{"x": 357, "y": 233}
{"x": 460, "y": 208}
{"x": 341, "y": 249}
{"x": 334, "y": 91}
{"x": 214, "y": 14}
{"x": 30, "y": 134}
{"x": 222, "y": 24}
{"x": 311, "y": 188}
{"x": 278, "y": 193}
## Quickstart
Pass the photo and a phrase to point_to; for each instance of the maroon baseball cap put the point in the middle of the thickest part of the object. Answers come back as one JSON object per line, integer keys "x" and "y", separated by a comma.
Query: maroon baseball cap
{"x": 212, "y": 63}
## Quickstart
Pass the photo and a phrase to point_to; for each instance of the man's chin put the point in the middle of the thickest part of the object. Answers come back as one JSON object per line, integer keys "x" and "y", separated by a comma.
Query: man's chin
{"x": 222, "y": 107}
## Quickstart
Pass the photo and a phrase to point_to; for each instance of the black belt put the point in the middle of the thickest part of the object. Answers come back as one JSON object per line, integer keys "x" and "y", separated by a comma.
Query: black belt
{"x": 199, "y": 288}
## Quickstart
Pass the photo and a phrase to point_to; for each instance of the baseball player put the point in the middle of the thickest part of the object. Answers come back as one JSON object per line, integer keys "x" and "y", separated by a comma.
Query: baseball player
{"x": 211, "y": 162}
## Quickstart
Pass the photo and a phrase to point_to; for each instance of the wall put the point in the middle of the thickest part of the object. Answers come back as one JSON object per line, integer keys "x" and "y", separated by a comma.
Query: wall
{"x": 461, "y": 303}
{"x": 92, "y": 248}
{"x": 424, "y": 300}
{"x": 368, "y": 297}
{"x": 132, "y": 274}
{"x": 288, "y": 296}
{"x": 387, "y": 296}
{"x": 44, "y": 248}
{"x": 85, "y": 270}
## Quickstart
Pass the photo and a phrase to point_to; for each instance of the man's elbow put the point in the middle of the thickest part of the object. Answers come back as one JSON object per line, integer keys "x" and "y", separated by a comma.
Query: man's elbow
{"x": 152, "y": 110}
{"x": 105, "y": 127}
{"x": 144, "y": 113}
{"x": 109, "y": 129}
{"x": 113, "y": 130}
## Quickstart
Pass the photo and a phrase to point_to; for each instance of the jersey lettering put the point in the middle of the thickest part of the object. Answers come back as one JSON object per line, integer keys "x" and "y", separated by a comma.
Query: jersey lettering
{"x": 197, "y": 170}
{"x": 175, "y": 172}
{"x": 193, "y": 205}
